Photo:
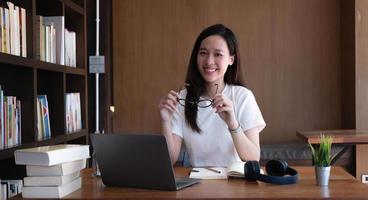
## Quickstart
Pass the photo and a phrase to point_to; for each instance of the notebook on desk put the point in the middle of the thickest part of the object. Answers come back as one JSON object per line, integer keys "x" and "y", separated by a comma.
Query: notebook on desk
{"x": 139, "y": 161}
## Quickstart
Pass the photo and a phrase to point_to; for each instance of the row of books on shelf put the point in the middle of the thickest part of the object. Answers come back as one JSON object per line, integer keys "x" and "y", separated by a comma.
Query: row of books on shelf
{"x": 10, "y": 188}
{"x": 52, "y": 171}
{"x": 13, "y": 30}
{"x": 73, "y": 115}
{"x": 10, "y": 118}
{"x": 55, "y": 43}
{"x": 10, "y": 121}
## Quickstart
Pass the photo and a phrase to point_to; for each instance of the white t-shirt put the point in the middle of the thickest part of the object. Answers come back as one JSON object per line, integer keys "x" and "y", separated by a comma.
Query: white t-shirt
{"x": 214, "y": 145}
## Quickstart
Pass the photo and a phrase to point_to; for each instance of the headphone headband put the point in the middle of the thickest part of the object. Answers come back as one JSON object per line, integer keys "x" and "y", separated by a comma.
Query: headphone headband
{"x": 276, "y": 170}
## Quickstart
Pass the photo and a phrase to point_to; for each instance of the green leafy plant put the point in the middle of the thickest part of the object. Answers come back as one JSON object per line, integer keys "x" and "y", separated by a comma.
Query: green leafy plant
{"x": 321, "y": 154}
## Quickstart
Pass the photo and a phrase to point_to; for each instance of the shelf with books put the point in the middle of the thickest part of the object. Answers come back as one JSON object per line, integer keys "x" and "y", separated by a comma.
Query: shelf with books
{"x": 47, "y": 82}
{"x": 19, "y": 82}
{"x": 31, "y": 79}
{"x": 75, "y": 103}
{"x": 8, "y": 59}
{"x": 77, "y": 29}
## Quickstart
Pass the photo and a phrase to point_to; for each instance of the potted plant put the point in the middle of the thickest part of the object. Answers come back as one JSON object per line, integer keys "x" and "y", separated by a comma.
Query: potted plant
{"x": 321, "y": 155}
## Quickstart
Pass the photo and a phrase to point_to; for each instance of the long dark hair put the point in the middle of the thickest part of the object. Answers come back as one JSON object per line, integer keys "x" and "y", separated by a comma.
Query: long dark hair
{"x": 194, "y": 78}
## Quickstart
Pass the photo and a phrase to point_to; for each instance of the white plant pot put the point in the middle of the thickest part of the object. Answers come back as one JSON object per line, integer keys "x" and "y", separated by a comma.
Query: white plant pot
{"x": 322, "y": 175}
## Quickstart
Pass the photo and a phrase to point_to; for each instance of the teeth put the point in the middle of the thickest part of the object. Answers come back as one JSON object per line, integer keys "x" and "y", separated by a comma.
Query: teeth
{"x": 210, "y": 69}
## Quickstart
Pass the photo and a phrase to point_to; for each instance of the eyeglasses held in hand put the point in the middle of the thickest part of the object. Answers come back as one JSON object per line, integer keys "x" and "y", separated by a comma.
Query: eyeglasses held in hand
{"x": 201, "y": 103}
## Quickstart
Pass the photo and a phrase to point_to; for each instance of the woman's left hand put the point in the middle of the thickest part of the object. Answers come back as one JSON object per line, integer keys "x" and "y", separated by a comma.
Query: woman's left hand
{"x": 225, "y": 108}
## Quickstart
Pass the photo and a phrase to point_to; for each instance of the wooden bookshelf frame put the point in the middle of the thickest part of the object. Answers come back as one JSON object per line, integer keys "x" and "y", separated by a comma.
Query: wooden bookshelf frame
{"x": 29, "y": 77}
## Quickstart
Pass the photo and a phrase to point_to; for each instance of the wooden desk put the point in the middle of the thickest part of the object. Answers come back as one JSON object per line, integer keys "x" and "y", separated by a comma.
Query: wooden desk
{"x": 342, "y": 186}
{"x": 357, "y": 138}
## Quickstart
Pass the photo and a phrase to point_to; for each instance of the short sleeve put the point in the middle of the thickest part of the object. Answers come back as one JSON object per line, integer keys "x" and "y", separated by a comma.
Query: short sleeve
{"x": 177, "y": 124}
{"x": 249, "y": 114}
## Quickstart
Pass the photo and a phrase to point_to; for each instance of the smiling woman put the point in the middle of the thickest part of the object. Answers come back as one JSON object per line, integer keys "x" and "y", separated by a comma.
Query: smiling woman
{"x": 213, "y": 59}
{"x": 225, "y": 131}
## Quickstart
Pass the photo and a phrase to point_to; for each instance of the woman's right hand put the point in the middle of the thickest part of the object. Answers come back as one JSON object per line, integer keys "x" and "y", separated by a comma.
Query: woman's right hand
{"x": 168, "y": 106}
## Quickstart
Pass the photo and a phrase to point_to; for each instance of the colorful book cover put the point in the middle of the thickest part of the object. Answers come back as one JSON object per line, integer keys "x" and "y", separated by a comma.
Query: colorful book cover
{"x": 45, "y": 115}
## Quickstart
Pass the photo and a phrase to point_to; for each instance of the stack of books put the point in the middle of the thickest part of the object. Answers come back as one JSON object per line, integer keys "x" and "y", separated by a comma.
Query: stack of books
{"x": 52, "y": 171}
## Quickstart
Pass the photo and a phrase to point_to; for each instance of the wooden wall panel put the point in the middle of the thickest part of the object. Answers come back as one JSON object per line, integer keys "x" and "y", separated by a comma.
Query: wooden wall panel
{"x": 348, "y": 64}
{"x": 361, "y": 66}
{"x": 290, "y": 51}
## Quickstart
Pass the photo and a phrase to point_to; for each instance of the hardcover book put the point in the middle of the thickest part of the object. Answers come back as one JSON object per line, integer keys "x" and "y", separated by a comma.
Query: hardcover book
{"x": 50, "y": 180}
{"x": 51, "y": 155}
{"x": 52, "y": 191}
{"x": 56, "y": 170}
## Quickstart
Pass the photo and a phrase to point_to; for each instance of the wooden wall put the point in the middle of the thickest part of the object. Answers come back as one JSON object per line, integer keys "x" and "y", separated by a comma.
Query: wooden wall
{"x": 361, "y": 84}
{"x": 348, "y": 92}
{"x": 290, "y": 51}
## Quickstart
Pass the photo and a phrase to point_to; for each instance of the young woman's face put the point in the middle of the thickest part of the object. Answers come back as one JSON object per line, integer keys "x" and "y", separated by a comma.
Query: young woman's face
{"x": 213, "y": 59}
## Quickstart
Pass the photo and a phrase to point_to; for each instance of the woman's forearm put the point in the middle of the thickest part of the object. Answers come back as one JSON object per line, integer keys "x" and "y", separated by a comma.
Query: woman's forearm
{"x": 173, "y": 143}
{"x": 247, "y": 144}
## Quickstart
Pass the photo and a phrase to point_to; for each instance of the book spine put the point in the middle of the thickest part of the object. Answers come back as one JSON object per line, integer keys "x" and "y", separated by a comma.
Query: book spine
{"x": 16, "y": 31}
{"x": 11, "y": 28}
{"x": 10, "y": 120}
{"x": 39, "y": 124}
{"x": 23, "y": 32}
{"x": 38, "y": 36}
{"x": 5, "y": 106}
{"x": 19, "y": 114}
{"x": 1, "y": 118}
{"x": 1, "y": 28}
{"x": 7, "y": 31}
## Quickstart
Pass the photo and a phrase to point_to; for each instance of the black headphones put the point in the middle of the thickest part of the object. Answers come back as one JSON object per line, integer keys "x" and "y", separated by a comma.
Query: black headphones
{"x": 276, "y": 171}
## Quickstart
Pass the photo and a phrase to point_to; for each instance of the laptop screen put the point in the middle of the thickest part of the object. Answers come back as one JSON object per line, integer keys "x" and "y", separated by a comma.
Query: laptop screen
{"x": 140, "y": 161}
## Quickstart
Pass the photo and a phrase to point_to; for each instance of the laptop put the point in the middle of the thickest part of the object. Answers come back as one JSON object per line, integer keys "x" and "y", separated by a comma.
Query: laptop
{"x": 138, "y": 161}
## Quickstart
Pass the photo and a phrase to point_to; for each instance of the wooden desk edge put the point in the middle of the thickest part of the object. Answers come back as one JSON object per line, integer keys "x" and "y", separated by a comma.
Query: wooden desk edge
{"x": 90, "y": 189}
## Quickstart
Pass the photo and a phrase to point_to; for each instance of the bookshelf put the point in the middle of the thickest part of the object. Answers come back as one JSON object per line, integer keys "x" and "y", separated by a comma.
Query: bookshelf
{"x": 27, "y": 77}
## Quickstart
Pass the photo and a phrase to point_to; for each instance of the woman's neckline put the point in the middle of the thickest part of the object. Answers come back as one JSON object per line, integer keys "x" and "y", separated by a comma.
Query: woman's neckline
{"x": 218, "y": 92}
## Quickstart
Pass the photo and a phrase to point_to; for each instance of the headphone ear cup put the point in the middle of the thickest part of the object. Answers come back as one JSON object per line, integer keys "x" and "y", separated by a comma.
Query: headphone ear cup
{"x": 251, "y": 170}
{"x": 276, "y": 167}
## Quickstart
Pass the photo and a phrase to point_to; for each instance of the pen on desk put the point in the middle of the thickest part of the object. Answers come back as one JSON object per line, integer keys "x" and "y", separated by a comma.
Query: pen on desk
{"x": 214, "y": 170}
{"x": 193, "y": 170}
